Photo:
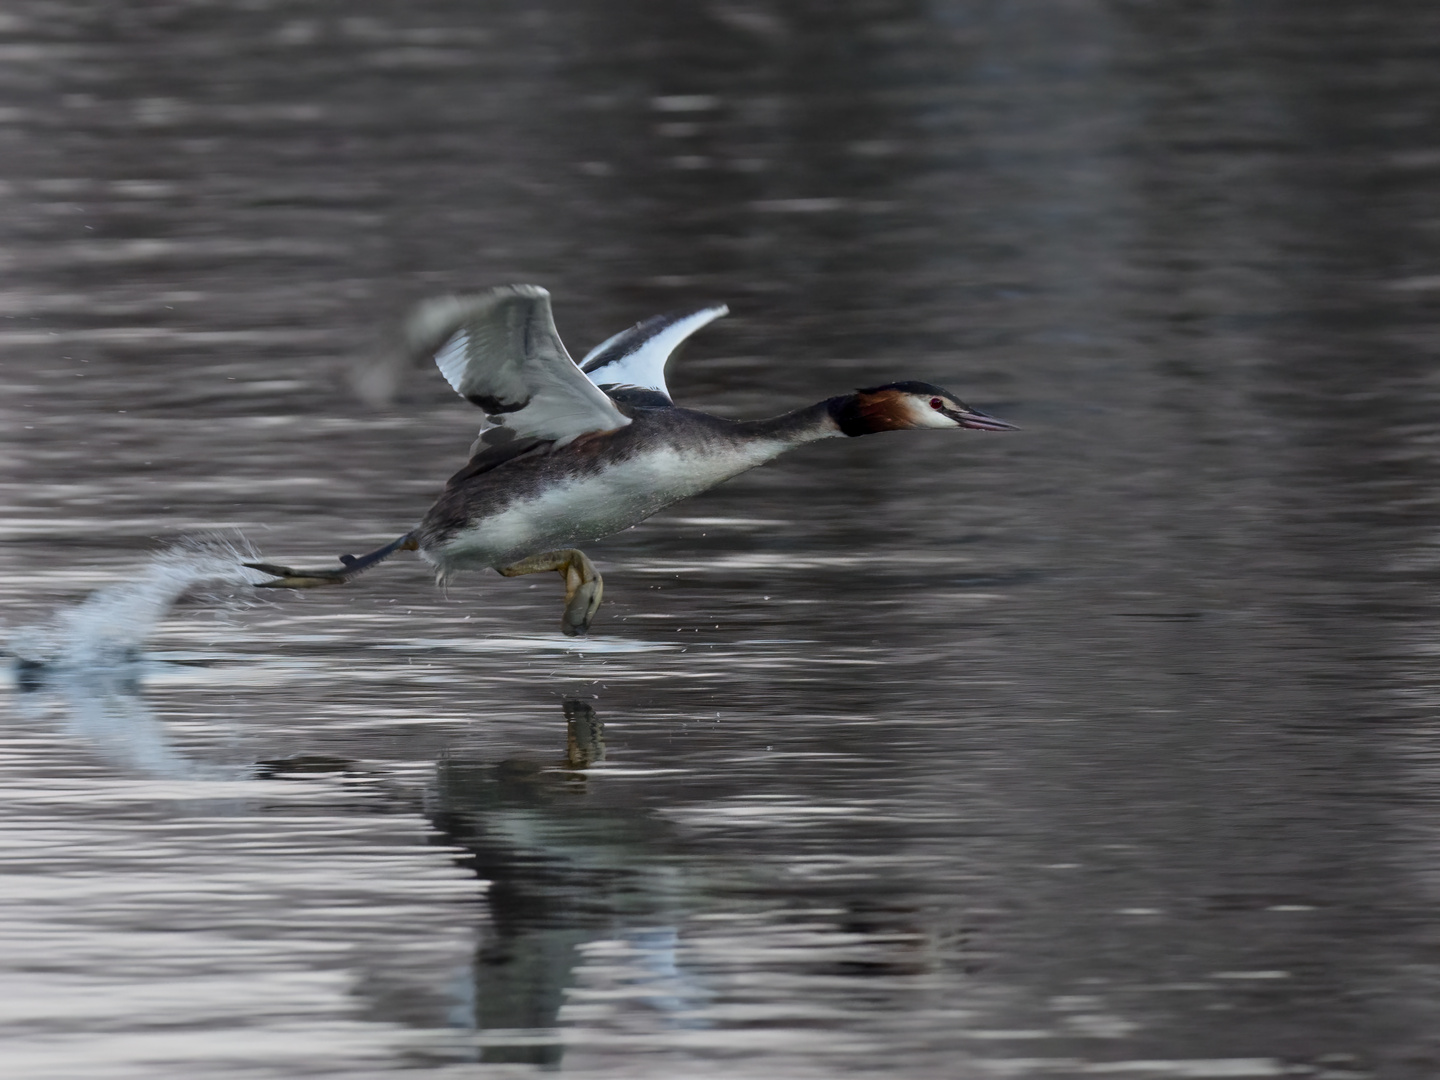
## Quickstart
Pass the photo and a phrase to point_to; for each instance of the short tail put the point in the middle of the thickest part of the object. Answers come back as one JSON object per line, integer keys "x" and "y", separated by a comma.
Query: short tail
{"x": 353, "y": 566}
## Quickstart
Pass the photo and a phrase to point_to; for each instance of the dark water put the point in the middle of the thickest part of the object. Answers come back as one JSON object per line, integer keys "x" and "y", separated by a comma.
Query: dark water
{"x": 1106, "y": 748}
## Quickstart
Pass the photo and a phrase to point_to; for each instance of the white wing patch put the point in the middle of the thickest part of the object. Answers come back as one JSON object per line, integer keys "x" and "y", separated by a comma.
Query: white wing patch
{"x": 637, "y": 357}
{"x": 451, "y": 359}
{"x": 501, "y": 352}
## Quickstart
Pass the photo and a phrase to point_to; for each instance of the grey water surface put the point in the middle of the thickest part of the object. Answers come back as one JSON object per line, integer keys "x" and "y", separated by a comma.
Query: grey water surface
{"x": 1103, "y": 748}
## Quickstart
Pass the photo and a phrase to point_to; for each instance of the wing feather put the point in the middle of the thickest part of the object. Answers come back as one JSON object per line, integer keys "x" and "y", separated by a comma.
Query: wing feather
{"x": 636, "y": 358}
{"x": 501, "y": 352}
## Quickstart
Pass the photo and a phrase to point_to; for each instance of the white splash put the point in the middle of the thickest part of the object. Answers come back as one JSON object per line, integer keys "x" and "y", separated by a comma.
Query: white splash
{"x": 109, "y": 627}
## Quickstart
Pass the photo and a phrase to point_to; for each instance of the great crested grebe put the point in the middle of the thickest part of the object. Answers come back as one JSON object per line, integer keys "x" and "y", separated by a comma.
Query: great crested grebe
{"x": 570, "y": 453}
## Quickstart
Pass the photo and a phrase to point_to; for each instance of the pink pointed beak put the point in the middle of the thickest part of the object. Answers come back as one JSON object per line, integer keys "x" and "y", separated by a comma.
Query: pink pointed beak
{"x": 979, "y": 421}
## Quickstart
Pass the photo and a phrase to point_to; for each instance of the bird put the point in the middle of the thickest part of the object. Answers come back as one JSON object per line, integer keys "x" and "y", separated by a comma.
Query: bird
{"x": 569, "y": 453}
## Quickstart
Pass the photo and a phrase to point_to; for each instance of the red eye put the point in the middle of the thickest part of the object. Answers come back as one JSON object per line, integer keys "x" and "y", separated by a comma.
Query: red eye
{"x": 936, "y": 403}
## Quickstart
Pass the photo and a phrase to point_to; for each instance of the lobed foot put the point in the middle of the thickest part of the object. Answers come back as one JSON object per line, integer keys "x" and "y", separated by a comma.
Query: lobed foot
{"x": 290, "y": 578}
{"x": 300, "y": 579}
{"x": 583, "y": 585}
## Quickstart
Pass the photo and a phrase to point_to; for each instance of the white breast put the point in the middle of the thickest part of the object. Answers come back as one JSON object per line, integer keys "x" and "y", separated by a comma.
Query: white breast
{"x": 589, "y": 507}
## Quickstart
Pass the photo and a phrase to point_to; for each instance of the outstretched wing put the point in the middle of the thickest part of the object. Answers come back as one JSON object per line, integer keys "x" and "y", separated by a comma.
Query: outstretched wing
{"x": 635, "y": 359}
{"x": 501, "y": 352}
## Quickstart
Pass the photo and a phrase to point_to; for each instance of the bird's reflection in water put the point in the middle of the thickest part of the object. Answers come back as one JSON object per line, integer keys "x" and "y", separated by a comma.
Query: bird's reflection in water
{"x": 591, "y": 898}
{"x": 584, "y": 736}
{"x": 565, "y": 877}
{"x": 568, "y": 880}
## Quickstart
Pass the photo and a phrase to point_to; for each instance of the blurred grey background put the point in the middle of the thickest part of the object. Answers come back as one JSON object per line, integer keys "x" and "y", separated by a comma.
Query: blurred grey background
{"x": 1103, "y": 748}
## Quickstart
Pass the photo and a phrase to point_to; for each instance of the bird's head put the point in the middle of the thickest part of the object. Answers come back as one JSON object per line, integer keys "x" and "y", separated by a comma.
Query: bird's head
{"x": 900, "y": 406}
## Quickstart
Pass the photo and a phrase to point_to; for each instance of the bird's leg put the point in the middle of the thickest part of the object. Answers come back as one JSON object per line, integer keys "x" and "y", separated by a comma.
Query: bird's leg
{"x": 289, "y": 578}
{"x": 583, "y": 587}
